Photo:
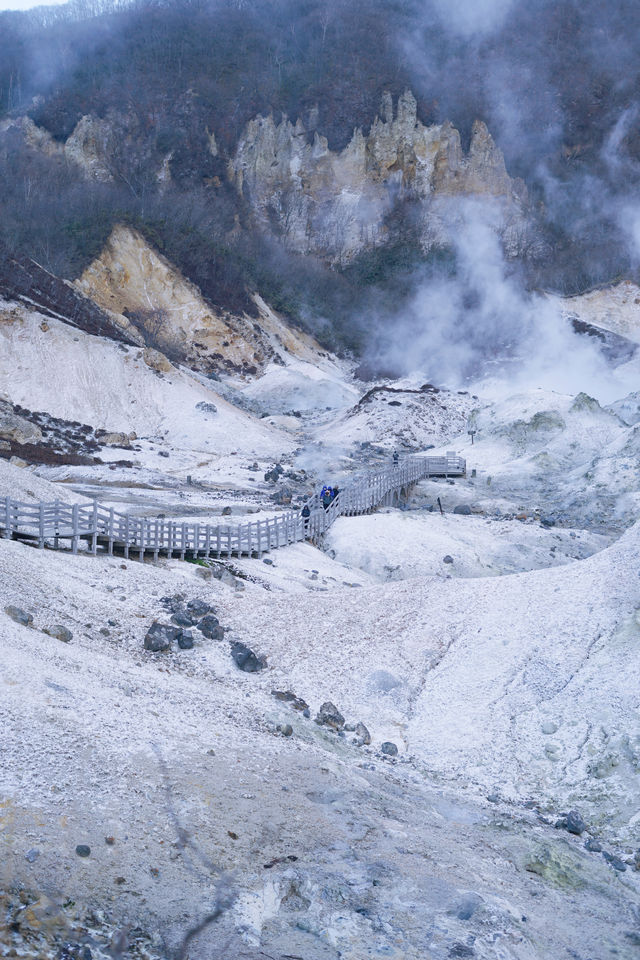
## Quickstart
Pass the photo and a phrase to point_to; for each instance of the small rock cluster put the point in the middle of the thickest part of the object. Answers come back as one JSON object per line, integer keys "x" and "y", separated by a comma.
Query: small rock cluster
{"x": 329, "y": 716}
{"x": 200, "y": 615}
{"x": 25, "y": 619}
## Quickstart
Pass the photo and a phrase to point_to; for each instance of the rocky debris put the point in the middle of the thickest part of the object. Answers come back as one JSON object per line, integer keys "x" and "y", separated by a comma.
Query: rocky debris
{"x": 447, "y": 559}
{"x": 185, "y": 640}
{"x": 273, "y": 475}
{"x": 462, "y": 509}
{"x": 286, "y": 696}
{"x": 59, "y": 632}
{"x": 285, "y": 729}
{"x": 83, "y": 850}
{"x": 389, "y": 749}
{"x": 160, "y": 636}
{"x": 329, "y": 716}
{"x": 572, "y": 822}
{"x": 32, "y": 855}
{"x": 199, "y": 608}
{"x": 592, "y": 845}
{"x": 182, "y": 618}
{"x": 245, "y": 659}
{"x": 38, "y": 437}
{"x": 19, "y": 615}
{"x": 115, "y": 439}
{"x": 209, "y": 627}
{"x": 362, "y": 734}
{"x": 206, "y": 407}
{"x": 615, "y": 862}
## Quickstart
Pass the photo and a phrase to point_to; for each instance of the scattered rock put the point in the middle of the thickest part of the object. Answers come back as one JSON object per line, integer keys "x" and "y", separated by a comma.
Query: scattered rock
{"x": 363, "y": 734}
{"x": 389, "y": 749}
{"x": 59, "y": 632}
{"x": 286, "y": 696}
{"x": 462, "y": 509}
{"x": 592, "y": 845}
{"x": 31, "y": 856}
{"x": 206, "y": 407}
{"x": 19, "y": 615}
{"x": 330, "y": 716}
{"x": 183, "y": 619}
{"x": 185, "y": 640}
{"x": 549, "y": 727}
{"x": 110, "y": 841}
{"x": 83, "y": 850}
{"x": 209, "y": 627}
{"x": 306, "y": 713}
{"x": 226, "y": 511}
{"x": 245, "y": 659}
{"x": 160, "y": 636}
{"x": 572, "y": 822}
{"x": 447, "y": 559}
{"x": 285, "y": 729}
{"x": 615, "y": 862}
{"x": 199, "y": 608}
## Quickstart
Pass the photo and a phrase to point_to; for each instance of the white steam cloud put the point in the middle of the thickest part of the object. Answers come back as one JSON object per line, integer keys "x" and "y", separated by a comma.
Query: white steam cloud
{"x": 481, "y": 325}
{"x": 469, "y": 18}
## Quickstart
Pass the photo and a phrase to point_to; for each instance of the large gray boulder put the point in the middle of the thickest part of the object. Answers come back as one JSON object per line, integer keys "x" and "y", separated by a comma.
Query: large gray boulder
{"x": 160, "y": 636}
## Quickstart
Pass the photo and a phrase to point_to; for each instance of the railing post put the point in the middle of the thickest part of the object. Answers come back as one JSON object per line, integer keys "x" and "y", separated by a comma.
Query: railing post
{"x": 94, "y": 536}
{"x": 74, "y": 528}
{"x": 7, "y": 519}
{"x": 41, "y": 526}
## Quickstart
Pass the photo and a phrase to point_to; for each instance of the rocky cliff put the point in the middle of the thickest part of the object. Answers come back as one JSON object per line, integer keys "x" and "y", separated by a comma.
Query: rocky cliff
{"x": 336, "y": 204}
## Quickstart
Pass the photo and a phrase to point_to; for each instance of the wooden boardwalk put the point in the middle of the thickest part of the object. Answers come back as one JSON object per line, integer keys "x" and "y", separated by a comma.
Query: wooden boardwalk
{"x": 52, "y": 524}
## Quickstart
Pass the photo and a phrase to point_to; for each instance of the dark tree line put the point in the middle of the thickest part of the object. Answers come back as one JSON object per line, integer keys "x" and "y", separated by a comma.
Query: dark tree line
{"x": 552, "y": 80}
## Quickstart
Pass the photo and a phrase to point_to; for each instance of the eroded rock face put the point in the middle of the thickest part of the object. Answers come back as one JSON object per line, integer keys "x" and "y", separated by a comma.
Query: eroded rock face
{"x": 132, "y": 280}
{"x": 335, "y": 204}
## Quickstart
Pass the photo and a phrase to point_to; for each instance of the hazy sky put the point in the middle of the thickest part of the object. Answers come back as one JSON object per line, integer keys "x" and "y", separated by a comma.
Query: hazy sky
{"x": 26, "y": 4}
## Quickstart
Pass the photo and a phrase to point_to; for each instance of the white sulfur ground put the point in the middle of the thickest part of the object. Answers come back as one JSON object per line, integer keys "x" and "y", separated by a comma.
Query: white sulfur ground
{"x": 511, "y": 672}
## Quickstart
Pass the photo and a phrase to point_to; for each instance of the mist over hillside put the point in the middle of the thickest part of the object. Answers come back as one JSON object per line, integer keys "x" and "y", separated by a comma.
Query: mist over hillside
{"x": 169, "y": 88}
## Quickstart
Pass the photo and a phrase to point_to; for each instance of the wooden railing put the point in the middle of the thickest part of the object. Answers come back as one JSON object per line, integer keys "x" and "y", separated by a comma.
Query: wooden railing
{"x": 50, "y": 523}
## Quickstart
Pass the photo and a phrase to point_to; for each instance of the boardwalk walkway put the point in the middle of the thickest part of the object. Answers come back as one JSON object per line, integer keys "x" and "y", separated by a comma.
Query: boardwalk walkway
{"x": 49, "y": 524}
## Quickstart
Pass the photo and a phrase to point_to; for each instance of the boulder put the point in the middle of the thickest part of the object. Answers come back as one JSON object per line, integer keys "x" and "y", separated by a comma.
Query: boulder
{"x": 156, "y": 360}
{"x": 245, "y": 659}
{"x": 363, "y": 734}
{"x": 462, "y": 509}
{"x": 206, "y": 407}
{"x": 199, "y": 608}
{"x": 210, "y": 627}
{"x": 185, "y": 640}
{"x": 182, "y": 618}
{"x": 389, "y": 749}
{"x": 19, "y": 615}
{"x": 15, "y": 428}
{"x": 160, "y": 636}
{"x": 286, "y": 696}
{"x": 329, "y": 716}
{"x": 59, "y": 632}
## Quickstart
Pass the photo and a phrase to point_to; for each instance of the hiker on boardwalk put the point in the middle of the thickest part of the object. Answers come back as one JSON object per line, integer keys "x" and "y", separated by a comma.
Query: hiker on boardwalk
{"x": 396, "y": 458}
{"x": 335, "y": 491}
{"x": 327, "y": 497}
{"x": 306, "y": 516}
